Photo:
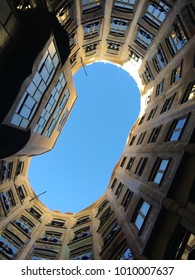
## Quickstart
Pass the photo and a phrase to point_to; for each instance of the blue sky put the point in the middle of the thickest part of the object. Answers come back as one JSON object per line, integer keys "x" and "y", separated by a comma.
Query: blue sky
{"x": 77, "y": 171}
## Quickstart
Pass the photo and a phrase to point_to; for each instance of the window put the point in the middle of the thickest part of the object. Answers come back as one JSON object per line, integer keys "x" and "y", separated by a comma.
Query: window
{"x": 87, "y": 255}
{"x": 36, "y": 213}
{"x": 159, "y": 88}
{"x": 159, "y": 60}
{"x": 9, "y": 244}
{"x": 113, "y": 183}
{"x": 132, "y": 140}
{"x": 25, "y": 225}
{"x": 148, "y": 75}
{"x": 82, "y": 220}
{"x": 143, "y": 38}
{"x": 50, "y": 105}
{"x": 141, "y": 214}
{"x": 159, "y": 170}
{"x": 167, "y": 104}
{"x": 91, "y": 29}
{"x": 126, "y": 5}
{"x": 91, "y": 48}
{"x": 105, "y": 216}
{"x": 44, "y": 254}
{"x": 135, "y": 56}
{"x": 21, "y": 192}
{"x": 140, "y": 166}
{"x": 126, "y": 198}
{"x": 156, "y": 13}
{"x": 20, "y": 167}
{"x": 123, "y": 161}
{"x": 119, "y": 189}
{"x": 6, "y": 170}
{"x": 113, "y": 47}
{"x": 40, "y": 82}
{"x": 148, "y": 98}
{"x": 142, "y": 119}
{"x": 115, "y": 228}
{"x": 57, "y": 114}
{"x": 72, "y": 42}
{"x": 176, "y": 39}
{"x": 63, "y": 119}
{"x": 177, "y": 129}
{"x": 141, "y": 138}
{"x": 90, "y": 4}
{"x": 102, "y": 205}
{"x": 154, "y": 134}
{"x": 73, "y": 59}
{"x": 57, "y": 223}
{"x": 7, "y": 200}
{"x": 176, "y": 74}
{"x": 130, "y": 163}
{"x": 118, "y": 26}
{"x": 127, "y": 255}
{"x": 52, "y": 237}
{"x": 82, "y": 233}
{"x": 64, "y": 15}
{"x": 189, "y": 93}
{"x": 152, "y": 113}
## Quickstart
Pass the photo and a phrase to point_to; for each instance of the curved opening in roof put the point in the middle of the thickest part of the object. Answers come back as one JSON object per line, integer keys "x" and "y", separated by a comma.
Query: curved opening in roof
{"x": 77, "y": 171}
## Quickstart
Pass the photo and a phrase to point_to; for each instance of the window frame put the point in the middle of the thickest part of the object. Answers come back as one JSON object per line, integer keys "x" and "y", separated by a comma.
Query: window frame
{"x": 176, "y": 74}
{"x": 124, "y": 6}
{"x": 116, "y": 26}
{"x": 175, "y": 44}
{"x": 159, "y": 88}
{"x": 130, "y": 163}
{"x": 154, "y": 134}
{"x": 141, "y": 138}
{"x": 189, "y": 90}
{"x": 143, "y": 38}
{"x": 157, "y": 171}
{"x": 168, "y": 103}
{"x": 138, "y": 213}
{"x": 119, "y": 189}
{"x": 152, "y": 113}
{"x": 126, "y": 199}
{"x": 132, "y": 140}
{"x": 173, "y": 129}
{"x": 151, "y": 18}
{"x": 141, "y": 166}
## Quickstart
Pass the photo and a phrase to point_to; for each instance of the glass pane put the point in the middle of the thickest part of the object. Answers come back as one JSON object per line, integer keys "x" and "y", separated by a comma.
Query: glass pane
{"x": 175, "y": 135}
{"x": 158, "y": 178}
{"x": 25, "y": 112}
{"x": 144, "y": 208}
{"x": 48, "y": 107}
{"x": 181, "y": 123}
{"x": 41, "y": 121}
{"x": 37, "y": 96}
{"x": 42, "y": 87}
{"x": 31, "y": 89}
{"x": 30, "y": 102}
{"x": 51, "y": 100}
{"x": 49, "y": 64}
{"x": 44, "y": 74}
{"x": 139, "y": 221}
{"x": 24, "y": 123}
{"x": 55, "y": 60}
{"x": 37, "y": 79}
{"x": 16, "y": 119}
{"x": 164, "y": 164}
{"x": 52, "y": 49}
